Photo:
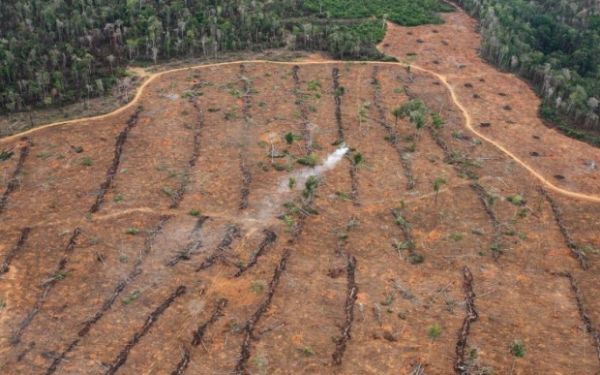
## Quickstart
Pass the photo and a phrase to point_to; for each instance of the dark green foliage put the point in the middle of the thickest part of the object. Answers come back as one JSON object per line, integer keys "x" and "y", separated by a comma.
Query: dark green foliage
{"x": 403, "y": 12}
{"x": 310, "y": 186}
{"x": 415, "y": 258}
{"x": 415, "y": 110}
{"x": 517, "y": 348}
{"x": 437, "y": 120}
{"x": 290, "y": 138}
{"x": 5, "y": 155}
{"x": 357, "y": 159}
{"x": 309, "y": 161}
{"x": 60, "y": 51}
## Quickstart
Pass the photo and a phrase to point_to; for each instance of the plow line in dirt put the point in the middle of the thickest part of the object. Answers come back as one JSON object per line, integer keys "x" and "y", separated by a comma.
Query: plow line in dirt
{"x": 460, "y": 366}
{"x": 15, "y": 182}
{"x": 87, "y": 325}
{"x": 338, "y": 93}
{"x": 150, "y": 320}
{"x": 590, "y": 328}
{"x": 248, "y": 330}
{"x": 116, "y": 162}
{"x": 48, "y": 285}
{"x": 393, "y": 136}
{"x": 576, "y": 252}
{"x": 5, "y": 265}
{"x": 198, "y": 336}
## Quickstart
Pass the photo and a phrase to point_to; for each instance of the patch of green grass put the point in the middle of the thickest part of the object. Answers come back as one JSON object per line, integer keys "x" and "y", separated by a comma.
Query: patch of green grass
{"x": 415, "y": 258}
{"x": 399, "y": 219}
{"x": 292, "y": 183}
{"x": 61, "y": 275}
{"x": 516, "y": 199}
{"x": 496, "y": 248}
{"x": 456, "y": 236}
{"x": 314, "y": 85}
{"x": 191, "y": 94}
{"x": 44, "y": 155}
{"x": 5, "y": 155}
{"x": 517, "y": 348}
{"x": 194, "y": 212}
{"x": 230, "y": 115}
{"x": 258, "y": 286}
{"x": 589, "y": 249}
{"x": 132, "y": 231}
{"x": 167, "y": 191}
{"x": 434, "y": 331}
{"x": 403, "y": 245}
{"x": 290, "y": 138}
{"x": 437, "y": 120}
{"x": 235, "y": 93}
{"x": 306, "y": 351}
{"x": 118, "y": 198}
{"x": 309, "y": 160}
{"x": 415, "y": 110}
{"x": 438, "y": 183}
{"x": 87, "y": 161}
{"x": 357, "y": 159}
{"x": 289, "y": 221}
{"x": 341, "y": 195}
{"x": 132, "y": 297}
{"x": 310, "y": 186}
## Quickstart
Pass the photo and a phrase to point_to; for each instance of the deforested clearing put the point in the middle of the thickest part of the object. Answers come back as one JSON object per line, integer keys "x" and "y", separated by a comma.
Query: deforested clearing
{"x": 305, "y": 217}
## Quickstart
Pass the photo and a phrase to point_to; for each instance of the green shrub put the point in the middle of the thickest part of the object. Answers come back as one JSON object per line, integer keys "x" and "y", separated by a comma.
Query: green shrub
{"x": 517, "y": 348}
{"x": 434, "y": 331}
{"x": 309, "y": 161}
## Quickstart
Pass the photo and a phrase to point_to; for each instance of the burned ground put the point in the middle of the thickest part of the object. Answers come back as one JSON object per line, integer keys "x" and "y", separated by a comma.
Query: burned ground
{"x": 211, "y": 251}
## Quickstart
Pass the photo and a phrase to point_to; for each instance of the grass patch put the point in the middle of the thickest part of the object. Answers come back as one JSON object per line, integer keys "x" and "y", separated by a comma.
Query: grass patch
{"x": 434, "y": 331}
{"x": 132, "y": 297}
{"x": 456, "y": 236}
{"x": 517, "y": 348}
{"x": 517, "y": 199}
{"x": 132, "y": 231}
{"x": 258, "y": 286}
{"x": 309, "y": 160}
{"x": 87, "y": 161}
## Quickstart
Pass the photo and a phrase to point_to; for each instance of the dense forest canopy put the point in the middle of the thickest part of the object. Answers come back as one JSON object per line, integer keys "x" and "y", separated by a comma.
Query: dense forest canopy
{"x": 553, "y": 43}
{"x": 57, "y": 51}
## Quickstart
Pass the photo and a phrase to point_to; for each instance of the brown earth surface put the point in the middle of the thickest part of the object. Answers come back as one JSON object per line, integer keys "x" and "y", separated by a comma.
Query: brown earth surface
{"x": 160, "y": 239}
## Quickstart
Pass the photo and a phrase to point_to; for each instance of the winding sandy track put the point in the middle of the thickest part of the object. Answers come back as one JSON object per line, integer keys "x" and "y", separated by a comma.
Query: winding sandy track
{"x": 440, "y": 77}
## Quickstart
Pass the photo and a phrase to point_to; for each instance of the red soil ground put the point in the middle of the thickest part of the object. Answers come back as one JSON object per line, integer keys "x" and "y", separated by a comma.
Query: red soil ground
{"x": 145, "y": 287}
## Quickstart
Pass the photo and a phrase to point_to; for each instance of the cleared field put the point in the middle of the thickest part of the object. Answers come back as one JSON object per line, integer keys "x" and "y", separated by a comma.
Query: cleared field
{"x": 184, "y": 234}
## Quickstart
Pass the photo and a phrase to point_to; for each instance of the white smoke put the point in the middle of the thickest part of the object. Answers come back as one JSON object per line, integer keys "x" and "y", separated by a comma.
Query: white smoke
{"x": 266, "y": 209}
{"x": 302, "y": 175}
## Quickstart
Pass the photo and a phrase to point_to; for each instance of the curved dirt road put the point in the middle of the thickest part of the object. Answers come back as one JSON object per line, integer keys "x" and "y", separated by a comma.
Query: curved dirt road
{"x": 441, "y": 78}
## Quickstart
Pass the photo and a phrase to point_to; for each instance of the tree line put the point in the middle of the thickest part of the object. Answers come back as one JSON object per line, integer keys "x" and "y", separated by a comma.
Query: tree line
{"x": 54, "y": 52}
